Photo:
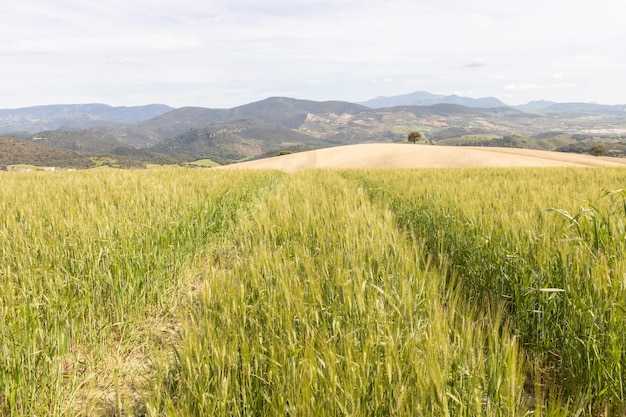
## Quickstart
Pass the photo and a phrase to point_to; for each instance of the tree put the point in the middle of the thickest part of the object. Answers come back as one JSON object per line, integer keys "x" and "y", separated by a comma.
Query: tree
{"x": 415, "y": 137}
{"x": 597, "y": 150}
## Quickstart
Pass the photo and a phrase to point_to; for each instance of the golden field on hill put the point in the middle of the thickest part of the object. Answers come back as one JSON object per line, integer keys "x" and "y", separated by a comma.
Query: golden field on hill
{"x": 395, "y": 155}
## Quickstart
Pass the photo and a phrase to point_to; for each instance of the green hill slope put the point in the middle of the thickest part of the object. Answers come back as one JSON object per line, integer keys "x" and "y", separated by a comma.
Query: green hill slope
{"x": 215, "y": 143}
{"x": 21, "y": 152}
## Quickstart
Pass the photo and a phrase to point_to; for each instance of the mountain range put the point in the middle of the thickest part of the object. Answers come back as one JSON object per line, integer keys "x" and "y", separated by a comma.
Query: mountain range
{"x": 423, "y": 98}
{"x": 74, "y": 116}
{"x": 159, "y": 133}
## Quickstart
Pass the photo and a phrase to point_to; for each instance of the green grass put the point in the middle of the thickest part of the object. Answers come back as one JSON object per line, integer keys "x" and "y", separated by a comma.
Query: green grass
{"x": 93, "y": 265}
{"x": 205, "y": 163}
{"x": 176, "y": 291}
{"x": 547, "y": 243}
{"x": 324, "y": 308}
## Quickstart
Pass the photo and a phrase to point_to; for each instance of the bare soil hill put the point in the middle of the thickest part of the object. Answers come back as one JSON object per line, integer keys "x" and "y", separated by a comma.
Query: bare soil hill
{"x": 395, "y": 155}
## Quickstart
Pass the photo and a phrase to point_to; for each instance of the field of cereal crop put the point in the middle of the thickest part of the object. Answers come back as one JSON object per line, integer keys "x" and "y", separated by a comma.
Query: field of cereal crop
{"x": 436, "y": 292}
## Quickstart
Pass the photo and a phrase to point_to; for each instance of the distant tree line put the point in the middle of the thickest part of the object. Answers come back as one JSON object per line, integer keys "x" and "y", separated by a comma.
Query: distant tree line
{"x": 508, "y": 141}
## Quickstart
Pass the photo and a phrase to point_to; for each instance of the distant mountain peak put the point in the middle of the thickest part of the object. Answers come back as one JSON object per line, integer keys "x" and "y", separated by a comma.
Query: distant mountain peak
{"x": 423, "y": 98}
{"x": 536, "y": 105}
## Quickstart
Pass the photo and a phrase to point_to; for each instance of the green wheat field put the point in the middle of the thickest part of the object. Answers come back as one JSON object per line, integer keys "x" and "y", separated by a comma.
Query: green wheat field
{"x": 202, "y": 292}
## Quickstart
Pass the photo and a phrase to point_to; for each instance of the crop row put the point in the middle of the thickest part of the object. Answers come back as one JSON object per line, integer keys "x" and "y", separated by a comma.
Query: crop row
{"x": 325, "y": 308}
{"x": 547, "y": 244}
{"x": 92, "y": 264}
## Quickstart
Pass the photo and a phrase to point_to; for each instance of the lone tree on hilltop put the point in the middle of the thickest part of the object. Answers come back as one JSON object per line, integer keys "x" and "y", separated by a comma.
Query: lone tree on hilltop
{"x": 597, "y": 150}
{"x": 415, "y": 137}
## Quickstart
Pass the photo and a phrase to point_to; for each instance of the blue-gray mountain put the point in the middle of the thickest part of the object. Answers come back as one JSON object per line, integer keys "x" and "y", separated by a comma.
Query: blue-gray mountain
{"x": 423, "y": 98}
{"x": 74, "y": 116}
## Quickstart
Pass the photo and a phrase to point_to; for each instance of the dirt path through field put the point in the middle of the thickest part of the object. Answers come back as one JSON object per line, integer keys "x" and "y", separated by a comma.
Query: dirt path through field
{"x": 395, "y": 155}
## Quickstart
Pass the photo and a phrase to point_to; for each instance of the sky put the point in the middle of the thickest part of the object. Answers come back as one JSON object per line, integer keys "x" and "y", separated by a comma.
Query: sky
{"x": 225, "y": 53}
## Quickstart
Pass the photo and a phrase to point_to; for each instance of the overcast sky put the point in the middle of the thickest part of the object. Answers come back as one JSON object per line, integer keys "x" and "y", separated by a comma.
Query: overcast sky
{"x": 224, "y": 53}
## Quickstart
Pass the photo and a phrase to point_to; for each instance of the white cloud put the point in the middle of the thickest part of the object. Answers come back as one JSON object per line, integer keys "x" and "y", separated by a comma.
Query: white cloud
{"x": 526, "y": 87}
{"x": 521, "y": 87}
{"x": 474, "y": 63}
{"x": 99, "y": 44}
{"x": 316, "y": 48}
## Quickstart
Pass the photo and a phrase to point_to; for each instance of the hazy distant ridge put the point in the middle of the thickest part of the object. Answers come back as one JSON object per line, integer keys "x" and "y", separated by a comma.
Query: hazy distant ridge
{"x": 423, "y": 98}
{"x": 75, "y": 116}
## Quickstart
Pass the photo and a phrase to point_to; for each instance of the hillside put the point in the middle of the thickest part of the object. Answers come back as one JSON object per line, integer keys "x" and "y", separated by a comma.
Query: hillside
{"x": 215, "y": 143}
{"x": 97, "y": 139}
{"x": 585, "y": 109}
{"x": 279, "y": 111}
{"x": 19, "y": 152}
{"x": 229, "y": 142}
